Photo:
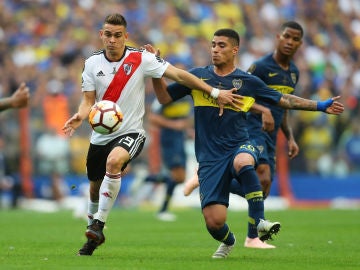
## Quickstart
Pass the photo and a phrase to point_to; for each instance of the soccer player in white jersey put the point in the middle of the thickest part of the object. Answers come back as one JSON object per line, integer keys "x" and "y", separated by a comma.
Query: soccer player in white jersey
{"x": 118, "y": 73}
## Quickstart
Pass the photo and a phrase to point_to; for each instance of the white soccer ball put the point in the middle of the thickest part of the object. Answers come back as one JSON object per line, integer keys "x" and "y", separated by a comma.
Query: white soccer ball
{"x": 105, "y": 117}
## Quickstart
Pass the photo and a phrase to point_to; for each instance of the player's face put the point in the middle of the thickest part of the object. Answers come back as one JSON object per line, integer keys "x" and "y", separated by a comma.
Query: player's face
{"x": 289, "y": 41}
{"x": 114, "y": 38}
{"x": 223, "y": 51}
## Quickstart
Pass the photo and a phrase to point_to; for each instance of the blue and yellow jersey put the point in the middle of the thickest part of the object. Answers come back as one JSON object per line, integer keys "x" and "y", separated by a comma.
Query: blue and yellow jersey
{"x": 180, "y": 109}
{"x": 218, "y": 137}
{"x": 281, "y": 81}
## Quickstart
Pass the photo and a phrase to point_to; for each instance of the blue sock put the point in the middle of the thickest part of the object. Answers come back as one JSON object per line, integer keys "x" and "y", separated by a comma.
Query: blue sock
{"x": 237, "y": 188}
{"x": 253, "y": 194}
{"x": 157, "y": 178}
{"x": 223, "y": 235}
{"x": 170, "y": 187}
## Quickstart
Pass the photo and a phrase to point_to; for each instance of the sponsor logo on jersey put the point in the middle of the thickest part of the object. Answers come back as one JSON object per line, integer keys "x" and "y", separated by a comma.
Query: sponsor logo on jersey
{"x": 272, "y": 74}
{"x": 100, "y": 74}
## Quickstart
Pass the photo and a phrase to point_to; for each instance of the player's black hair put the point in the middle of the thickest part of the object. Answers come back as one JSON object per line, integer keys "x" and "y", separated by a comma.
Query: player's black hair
{"x": 292, "y": 25}
{"x": 230, "y": 33}
{"x": 115, "y": 19}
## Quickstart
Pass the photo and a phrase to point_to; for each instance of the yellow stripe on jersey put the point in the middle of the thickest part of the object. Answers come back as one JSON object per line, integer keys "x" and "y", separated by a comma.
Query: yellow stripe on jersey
{"x": 282, "y": 89}
{"x": 177, "y": 109}
{"x": 204, "y": 99}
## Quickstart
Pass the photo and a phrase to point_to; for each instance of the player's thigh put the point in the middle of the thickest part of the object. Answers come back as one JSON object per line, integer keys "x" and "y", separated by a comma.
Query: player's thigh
{"x": 214, "y": 180}
{"x": 133, "y": 144}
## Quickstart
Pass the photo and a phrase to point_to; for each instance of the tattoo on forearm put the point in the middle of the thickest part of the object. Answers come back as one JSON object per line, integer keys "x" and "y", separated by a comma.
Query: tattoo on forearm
{"x": 298, "y": 103}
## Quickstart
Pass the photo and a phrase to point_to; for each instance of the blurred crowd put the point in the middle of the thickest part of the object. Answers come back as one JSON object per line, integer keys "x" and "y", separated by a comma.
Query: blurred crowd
{"x": 45, "y": 42}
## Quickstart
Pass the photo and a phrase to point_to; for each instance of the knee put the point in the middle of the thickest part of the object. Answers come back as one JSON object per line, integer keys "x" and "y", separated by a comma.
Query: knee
{"x": 214, "y": 221}
{"x": 114, "y": 164}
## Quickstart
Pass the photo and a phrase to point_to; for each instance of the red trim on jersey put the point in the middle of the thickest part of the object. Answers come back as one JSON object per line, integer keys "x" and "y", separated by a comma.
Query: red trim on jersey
{"x": 122, "y": 76}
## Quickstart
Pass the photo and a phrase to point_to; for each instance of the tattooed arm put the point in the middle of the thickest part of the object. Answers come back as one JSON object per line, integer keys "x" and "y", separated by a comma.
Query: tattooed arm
{"x": 330, "y": 106}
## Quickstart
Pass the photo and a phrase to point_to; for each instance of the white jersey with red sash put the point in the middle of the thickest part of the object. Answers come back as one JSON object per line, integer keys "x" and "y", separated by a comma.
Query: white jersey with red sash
{"x": 124, "y": 83}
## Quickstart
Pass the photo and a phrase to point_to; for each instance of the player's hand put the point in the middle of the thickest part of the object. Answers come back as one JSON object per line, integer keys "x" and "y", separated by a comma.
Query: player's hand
{"x": 151, "y": 49}
{"x": 331, "y": 106}
{"x": 293, "y": 149}
{"x": 72, "y": 124}
{"x": 336, "y": 107}
{"x": 21, "y": 97}
{"x": 268, "y": 123}
{"x": 228, "y": 97}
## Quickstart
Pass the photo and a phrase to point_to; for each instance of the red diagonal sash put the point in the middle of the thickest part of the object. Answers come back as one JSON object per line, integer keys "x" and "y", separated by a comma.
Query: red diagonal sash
{"x": 122, "y": 76}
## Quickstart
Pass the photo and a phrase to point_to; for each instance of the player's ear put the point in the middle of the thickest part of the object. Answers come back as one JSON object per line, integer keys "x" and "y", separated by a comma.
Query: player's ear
{"x": 235, "y": 50}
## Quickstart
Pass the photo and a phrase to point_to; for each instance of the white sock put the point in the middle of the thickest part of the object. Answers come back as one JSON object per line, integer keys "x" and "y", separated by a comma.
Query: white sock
{"x": 109, "y": 190}
{"x": 92, "y": 209}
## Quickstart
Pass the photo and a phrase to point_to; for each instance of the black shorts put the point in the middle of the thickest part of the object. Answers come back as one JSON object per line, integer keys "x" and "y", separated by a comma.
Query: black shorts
{"x": 97, "y": 154}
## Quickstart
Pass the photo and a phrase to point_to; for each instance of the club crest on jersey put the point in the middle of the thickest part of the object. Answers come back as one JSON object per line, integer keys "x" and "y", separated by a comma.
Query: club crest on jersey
{"x": 293, "y": 77}
{"x": 237, "y": 83}
{"x": 128, "y": 68}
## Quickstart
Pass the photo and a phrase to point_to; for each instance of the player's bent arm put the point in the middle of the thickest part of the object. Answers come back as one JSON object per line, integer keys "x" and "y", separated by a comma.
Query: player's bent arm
{"x": 268, "y": 123}
{"x": 160, "y": 89}
{"x": 163, "y": 122}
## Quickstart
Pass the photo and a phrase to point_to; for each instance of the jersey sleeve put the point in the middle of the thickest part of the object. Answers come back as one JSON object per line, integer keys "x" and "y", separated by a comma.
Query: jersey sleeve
{"x": 178, "y": 91}
{"x": 88, "y": 81}
{"x": 154, "y": 66}
{"x": 265, "y": 93}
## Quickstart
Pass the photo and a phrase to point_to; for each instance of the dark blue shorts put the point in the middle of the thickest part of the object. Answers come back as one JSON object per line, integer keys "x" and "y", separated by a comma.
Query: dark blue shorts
{"x": 267, "y": 153}
{"x": 215, "y": 177}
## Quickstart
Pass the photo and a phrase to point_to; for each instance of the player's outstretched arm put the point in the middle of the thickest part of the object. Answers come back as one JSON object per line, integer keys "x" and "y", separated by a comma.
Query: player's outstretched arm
{"x": 19, "y": 99}
{"x": 330, "y": 106}
{"x": 223, "y": 97}
{"x": 76, "y": 120}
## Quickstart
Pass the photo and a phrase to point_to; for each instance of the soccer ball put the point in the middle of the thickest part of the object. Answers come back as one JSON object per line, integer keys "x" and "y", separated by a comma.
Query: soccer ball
{"x": 105, "y": 117}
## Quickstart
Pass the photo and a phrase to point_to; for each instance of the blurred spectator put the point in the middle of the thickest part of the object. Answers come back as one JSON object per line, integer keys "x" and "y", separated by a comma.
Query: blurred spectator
{"x": 316, "y": 140}
{"x": 350, "y": 144}
{"x": 53, "y": 161}
{"x": 55, "y": 106}
{"x": 10, "y": 188}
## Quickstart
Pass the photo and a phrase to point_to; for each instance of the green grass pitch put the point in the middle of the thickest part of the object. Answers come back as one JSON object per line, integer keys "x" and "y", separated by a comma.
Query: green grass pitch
{"x": 309, "y": 239}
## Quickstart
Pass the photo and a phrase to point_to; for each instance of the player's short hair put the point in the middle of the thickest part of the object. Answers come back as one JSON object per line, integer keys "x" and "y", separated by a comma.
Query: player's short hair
{"x": 292, "y": 25}
{"x": 230, "y": 33}
{"x": 115, "y": 19}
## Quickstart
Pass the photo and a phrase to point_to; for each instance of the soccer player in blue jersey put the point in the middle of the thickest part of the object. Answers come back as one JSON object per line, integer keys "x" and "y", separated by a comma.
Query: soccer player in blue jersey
{"x": 280, "y": 73}
{"x": 174, "y": 122}
{"x": 222, "y": 146}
